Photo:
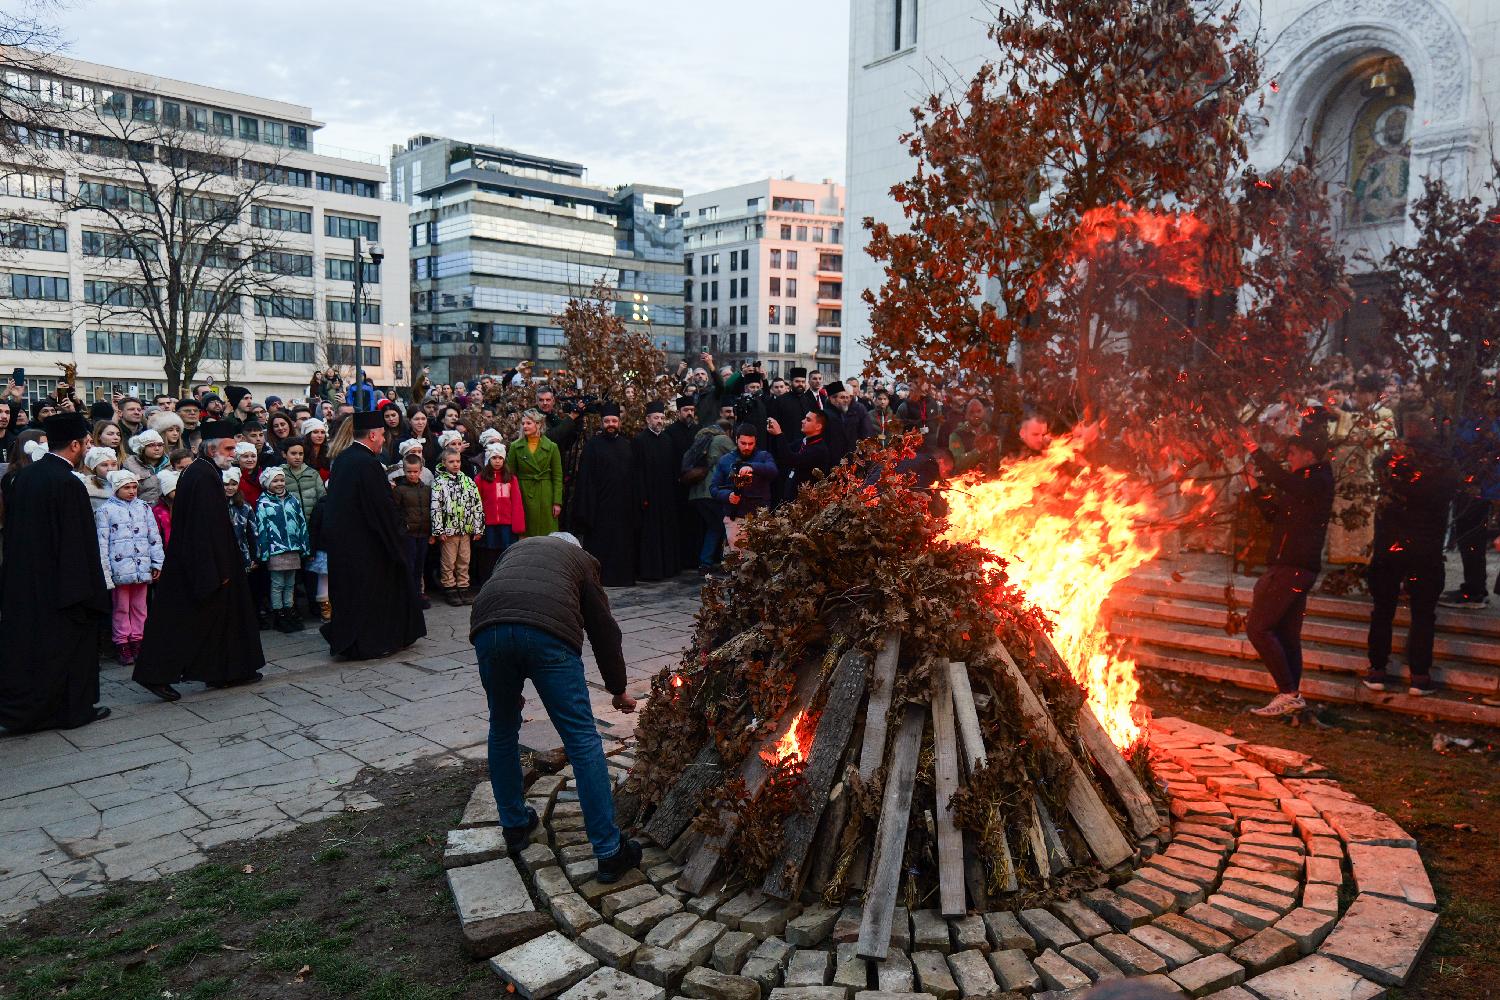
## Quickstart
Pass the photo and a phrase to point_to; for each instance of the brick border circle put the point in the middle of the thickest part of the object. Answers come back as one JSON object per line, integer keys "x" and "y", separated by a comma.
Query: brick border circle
{"x": 1270, "y": 883}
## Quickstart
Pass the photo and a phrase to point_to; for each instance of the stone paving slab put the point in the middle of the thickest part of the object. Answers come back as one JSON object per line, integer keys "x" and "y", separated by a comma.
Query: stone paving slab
{"x": 148, "y": 790}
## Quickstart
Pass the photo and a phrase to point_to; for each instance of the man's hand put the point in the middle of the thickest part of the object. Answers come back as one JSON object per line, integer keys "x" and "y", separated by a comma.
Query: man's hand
{"x": 772, "y": 427}
{"x": 432, "y": 539}
{"x": 557, "y": 510}
{"x": 155, "y": 575}
{"x": 624, "y": 703}
{"x": 707, "y": 359}
{"x": 734, "y": 499}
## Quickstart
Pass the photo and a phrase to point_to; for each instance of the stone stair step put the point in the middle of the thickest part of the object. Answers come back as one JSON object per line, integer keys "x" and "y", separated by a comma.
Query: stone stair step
{"x": 1317, "y": 685}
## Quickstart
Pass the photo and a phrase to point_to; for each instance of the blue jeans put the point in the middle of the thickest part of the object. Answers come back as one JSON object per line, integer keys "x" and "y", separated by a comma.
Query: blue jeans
{"x": 508, "y": 655}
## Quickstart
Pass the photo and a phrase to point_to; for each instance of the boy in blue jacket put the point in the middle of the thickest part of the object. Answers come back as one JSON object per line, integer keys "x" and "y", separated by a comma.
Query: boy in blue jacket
{"x": 742, "y": 482}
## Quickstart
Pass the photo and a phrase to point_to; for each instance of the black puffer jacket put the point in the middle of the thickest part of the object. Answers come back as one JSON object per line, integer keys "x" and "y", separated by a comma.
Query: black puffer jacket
{"x": 1298, "y": 506}
{"x": 414, "y": 501}
{"x": 551, "y": 584}
{"x": 1417, "y": 486}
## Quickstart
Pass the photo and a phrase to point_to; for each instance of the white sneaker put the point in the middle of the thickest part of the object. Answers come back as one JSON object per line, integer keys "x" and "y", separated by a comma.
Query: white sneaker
{"x": 1282, "y": 704}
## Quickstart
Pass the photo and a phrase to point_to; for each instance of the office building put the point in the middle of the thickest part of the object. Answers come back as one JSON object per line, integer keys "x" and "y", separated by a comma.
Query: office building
{"x": 1389, "y": 93}
{"x": 764, "y": 264}
{"x": 60, "y": 264}
{"x": 501, "y": 240}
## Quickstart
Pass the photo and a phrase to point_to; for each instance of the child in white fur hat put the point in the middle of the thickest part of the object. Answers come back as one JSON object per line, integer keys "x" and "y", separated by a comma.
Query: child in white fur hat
{"x": 131, "y": 550}
{"x": 281, "y": 542}
{"x": 504, "y": 517}
{"x": 98, "y": 463}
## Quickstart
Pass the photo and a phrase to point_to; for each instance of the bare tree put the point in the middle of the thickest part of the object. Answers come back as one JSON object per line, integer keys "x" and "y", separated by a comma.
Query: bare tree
{"x": 33, "y": 103}
{"x": 179, "y": 218}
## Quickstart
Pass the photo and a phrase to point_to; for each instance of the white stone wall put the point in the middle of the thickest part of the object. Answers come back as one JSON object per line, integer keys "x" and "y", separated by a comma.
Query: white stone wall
{"x": 1450, "y": 47}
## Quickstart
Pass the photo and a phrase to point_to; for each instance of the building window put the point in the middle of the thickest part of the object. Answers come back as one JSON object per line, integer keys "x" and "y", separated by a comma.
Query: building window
{"x": 791, "y": 260}
{"x": 343, "y": 354}
{"x": 801, "y": 234}
{"x": 775, "y": 258}
{"x": 43, "y": 187}
{"x": 744, "y": 315}
{"x": 347, "y": 228}
{"x": 113, "y": 293}
{"x": 250, "y": 129}
{"x": 294, "y": 265}
{"x": 36, "y": 338}
{"x": 835, "y": 234}
{"x": 703, "y": 317}
{"x": 284, "y": 307}
{"x": 786, "y": 232}
{"x": 791, "y": 343}
{"x": 828, "y": 345}
{"x": 831, "y": 290}
{"x": 28, "y": 236}
{"x": 114, "y": 246}
{"x": 831, "y": 317}
{"x": 734, "y": 260}
{"x": 745, "y": 260}
{"x": 702, "y": 265}
{"x": 709, "y": 212}
{"x": 744, "y": 288}
{"x": 773, "y": 315}
{"x": 713, "y": 291}
{"x": 296, "y": 136}
{"x": 348, "y": 185}
{"x": 213, "y": 350}
{"x": 901, "y": 29}
{"x": 286, "y": 220}
{"x": 143, "y": 109}
{"x": 713, "y": 316}
{"x": 223, "y": 123}
{"x": 817, "y": 234}
{"x": 289, "y": 176}
{"x": 713, "y": 263}
{"x": 791, "y": 315}
{"x": 273, "y": 134}
{"x": 734, "y": 287}
{"x": 342, "y": 311}
{"x": 113, "y": 196}
{"x": 338, "y": 269}
{"x": 38, "y": 286}
{"x": 775, "y": 284}
{"x": 752, "y": 204}
{"x": 791, "y": 288}
{"x": 289, "y": 351}
{"x": 773, "y": 342}
{"x": 123, "y": 342}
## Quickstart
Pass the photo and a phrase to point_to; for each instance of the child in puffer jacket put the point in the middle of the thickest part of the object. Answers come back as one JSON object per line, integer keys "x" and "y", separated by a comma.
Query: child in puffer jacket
{"x": 457, "y": 519}
{"x": 130, "y": 548}
{"x": 281, "y": 542}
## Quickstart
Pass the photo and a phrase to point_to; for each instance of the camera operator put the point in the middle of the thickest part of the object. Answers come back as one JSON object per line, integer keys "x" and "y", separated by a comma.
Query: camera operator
{"x": 742, "y": 481}
{"x": 562, "y": 428}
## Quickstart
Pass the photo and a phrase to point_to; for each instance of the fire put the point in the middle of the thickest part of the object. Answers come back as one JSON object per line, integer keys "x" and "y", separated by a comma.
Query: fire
{"x": 1069, "y": 531}
{"x": 789, "y": 747}
{"x": 1159, "y": 246}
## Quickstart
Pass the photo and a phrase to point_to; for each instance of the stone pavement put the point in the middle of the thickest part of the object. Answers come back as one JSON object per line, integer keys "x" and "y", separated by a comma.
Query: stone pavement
{"x": 147, "y": 790}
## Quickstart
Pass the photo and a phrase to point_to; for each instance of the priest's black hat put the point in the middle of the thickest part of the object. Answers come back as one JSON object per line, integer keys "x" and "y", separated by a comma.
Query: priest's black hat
{"x": 797, "y": 373}
{"x": 368, "y": 420}
{"x": 61, "y": 428}
{"x": 834, "y": 388}
{"x": 216, "y": 430}
{"x": 656, "y": 406}
{"x": 609, "y": 410}
{"x": 687, "y": 401}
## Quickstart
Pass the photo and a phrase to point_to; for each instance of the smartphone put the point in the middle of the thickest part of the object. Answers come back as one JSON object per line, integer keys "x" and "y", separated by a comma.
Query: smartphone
{"x": 18, "y": 376}
{"x": 135, "y": 390}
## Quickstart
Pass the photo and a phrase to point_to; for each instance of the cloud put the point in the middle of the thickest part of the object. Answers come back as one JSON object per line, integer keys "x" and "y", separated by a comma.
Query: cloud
{"x": 675, "y": 92}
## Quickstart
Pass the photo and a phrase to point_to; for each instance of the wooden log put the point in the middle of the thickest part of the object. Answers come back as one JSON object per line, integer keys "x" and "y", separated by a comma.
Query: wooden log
{"x": 966, "y": 714}
{"x": 1057, "y": 854}
{"x": 890, "y": 839}
{"x": 1037, "y": 841}
{"x": 882, "y": 686}
{"x": 1103, "y": 837}
{"x": 1110, "y": 761}
{"x": 680, "y": 804}
{"x": 829, "y": 840}
{"x": 976, "y": 879}
{"x": 704, "y": 865}
{"x": 950, "y": 844}
{"x": 686, "y": 843}
{"x": 835, "y": 725}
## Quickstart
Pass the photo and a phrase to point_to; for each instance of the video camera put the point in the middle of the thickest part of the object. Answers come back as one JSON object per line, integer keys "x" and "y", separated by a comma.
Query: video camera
{"x": 577, "y": 406}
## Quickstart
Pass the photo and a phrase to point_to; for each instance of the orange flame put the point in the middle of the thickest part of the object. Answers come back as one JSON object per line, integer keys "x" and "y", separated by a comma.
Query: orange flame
{"x": 1069, "y": 531}
{"x": 1165, "y": 246}
{"x": 789, "y": 747}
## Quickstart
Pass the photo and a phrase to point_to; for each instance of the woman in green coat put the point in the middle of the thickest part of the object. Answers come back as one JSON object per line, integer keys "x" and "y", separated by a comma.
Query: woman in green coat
{"x": 536, "y": 462}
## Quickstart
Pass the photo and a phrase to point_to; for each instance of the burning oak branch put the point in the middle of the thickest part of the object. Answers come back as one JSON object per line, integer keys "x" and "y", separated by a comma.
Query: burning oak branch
{"x": 872, "y": 706}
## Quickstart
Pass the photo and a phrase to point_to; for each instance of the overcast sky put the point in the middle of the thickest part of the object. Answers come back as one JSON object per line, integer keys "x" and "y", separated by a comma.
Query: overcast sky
{"x": 693, "y": 93}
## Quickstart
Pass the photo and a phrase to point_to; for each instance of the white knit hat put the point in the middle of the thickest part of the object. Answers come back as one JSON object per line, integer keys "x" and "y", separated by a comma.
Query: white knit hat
{"x": 231, "y": 476}
{"x": 489, "y": 434}
{"x": 36, "y": 449}
{"x": 496, "y": 449}
{"x": 167, "y": 480}
{"x": 97, "y": 454}
{"x": 449, "y": 438}
{"x": 408, "y": 446}
{"x": 121, "y": 477}
{"x": 269, "y": 474}
{"x": 138, "y": 443}
{"x": 245, "y": 448}
{"x": 312, "y": 424}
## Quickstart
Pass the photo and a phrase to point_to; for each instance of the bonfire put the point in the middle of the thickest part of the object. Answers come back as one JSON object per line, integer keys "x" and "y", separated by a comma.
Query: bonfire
{"x": 873, "y": 707}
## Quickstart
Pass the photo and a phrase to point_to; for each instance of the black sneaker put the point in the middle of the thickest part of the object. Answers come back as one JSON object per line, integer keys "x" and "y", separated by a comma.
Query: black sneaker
{"x": 517, "y": 837}
{"x": 1421, "y": 686}
{"x": 620, "y": 862}
{"x": 1464, "y": 602}
{"x": 1378, "y": 680}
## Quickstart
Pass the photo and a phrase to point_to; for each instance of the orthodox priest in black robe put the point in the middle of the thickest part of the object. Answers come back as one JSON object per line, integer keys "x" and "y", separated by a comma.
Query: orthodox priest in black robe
{"x": 202, "y": 623}
{"x": 605, "y": 502}
{"x": 689, "y": 528}
{"x": 375, "y": 606}
{"x": 52, "y": 592}
{"x": 656, "y": 461}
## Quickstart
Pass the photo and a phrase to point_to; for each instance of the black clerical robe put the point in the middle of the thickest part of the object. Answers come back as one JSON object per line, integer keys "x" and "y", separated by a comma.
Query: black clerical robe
{"x": 606, "y": 507}
{"x": 374, "y": 602}
{"x": 202, "y": 623}
{"x": 52, "y": 598}
{"x": 655, "y": 458}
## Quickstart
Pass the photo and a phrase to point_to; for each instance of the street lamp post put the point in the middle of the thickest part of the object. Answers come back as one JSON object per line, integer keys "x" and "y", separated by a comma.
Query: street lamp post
{"x": 362, "y": 399}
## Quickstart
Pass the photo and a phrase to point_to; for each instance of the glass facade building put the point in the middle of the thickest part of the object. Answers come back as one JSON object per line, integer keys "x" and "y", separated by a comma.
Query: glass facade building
{"x": 501, "y": 240}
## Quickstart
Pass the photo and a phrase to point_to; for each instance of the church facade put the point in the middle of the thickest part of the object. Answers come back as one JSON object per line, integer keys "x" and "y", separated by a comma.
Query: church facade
{"x": 1387, "y": 91}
